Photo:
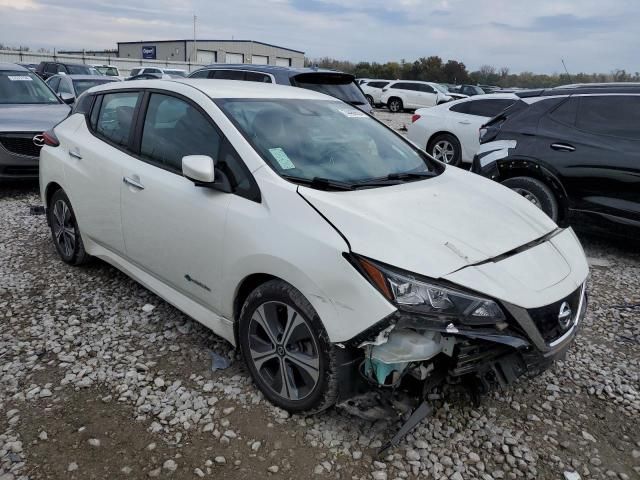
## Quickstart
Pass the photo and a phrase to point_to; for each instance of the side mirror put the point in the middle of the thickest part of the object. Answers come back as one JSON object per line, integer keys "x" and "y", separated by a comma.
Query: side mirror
{"x": 67, "y": 98}
{"x": 202, "y": 171}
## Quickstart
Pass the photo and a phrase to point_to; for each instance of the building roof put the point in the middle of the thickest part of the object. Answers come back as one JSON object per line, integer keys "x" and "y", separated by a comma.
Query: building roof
{"x": 222, "y": 88}
{"x": 210, "y": 40}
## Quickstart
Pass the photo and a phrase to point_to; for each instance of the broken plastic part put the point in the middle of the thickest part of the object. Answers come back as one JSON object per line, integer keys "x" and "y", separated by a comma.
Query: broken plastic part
{"x": 419, "y": 414}
{"x": 404, "y": 346}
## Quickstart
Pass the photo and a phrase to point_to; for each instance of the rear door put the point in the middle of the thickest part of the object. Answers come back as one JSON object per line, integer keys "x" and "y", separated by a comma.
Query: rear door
{"x": 594, "y": 143}
{"x": 426, "y": 95}
{"x": 94, "y": 170}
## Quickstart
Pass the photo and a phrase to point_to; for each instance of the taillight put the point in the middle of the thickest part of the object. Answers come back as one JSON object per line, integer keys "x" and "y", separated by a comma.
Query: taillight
{"x": 50, "y": 139}
{"x": 415, "y": 117}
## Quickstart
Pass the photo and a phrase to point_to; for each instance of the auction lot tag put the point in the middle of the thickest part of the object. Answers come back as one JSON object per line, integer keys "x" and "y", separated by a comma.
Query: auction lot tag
{"x": 20, "y": 78}
{"x": 352, "y": 113}
{"x": 283, "y": 160}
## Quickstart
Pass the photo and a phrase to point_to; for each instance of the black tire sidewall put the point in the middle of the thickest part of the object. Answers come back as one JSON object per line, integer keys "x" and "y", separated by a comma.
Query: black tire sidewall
{"x": 457, "y": 157}
{"x": 324, "y": 393}
{"x": 78, "y": 250}
{"x": 548, "y": 201}
{"x": 370, "y": 100}
{"x": 399, "y": 102}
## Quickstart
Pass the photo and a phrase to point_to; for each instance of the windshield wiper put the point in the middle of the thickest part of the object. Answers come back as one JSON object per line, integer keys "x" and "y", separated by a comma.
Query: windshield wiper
{"x": 394, "y": 179}
{"x": 320, "y": 183}
{"x": 410, "y": 175}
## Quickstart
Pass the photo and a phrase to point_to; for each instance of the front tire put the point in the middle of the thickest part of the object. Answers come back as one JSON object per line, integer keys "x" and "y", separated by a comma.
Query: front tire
{"x": 370, "y": 100}
{"x": 65, "y": 231}
{"x": 537, "y": 193}
{"x": 445, "y": 148}
{"x": 395, "y": 105}
{"x": 287, "y": 349}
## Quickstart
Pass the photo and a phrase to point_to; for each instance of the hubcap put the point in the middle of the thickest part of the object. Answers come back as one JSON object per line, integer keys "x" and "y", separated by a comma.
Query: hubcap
{"x": 444, "y": 151}
{"x": 529, "y": 196}
{"x": 283, "y": 350}
{"x": 395, "y": 106}
{"x": 63, "y": 228}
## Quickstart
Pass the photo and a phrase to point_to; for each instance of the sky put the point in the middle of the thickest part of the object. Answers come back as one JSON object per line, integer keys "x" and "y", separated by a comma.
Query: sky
{"x": 591, "y": 35}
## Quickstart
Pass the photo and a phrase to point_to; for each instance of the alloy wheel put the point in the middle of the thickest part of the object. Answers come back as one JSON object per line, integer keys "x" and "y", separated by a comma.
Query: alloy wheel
{"x": 283, "y": 350}
{"x": 63, "y": 228}
{"x": 529, "y": 196}
{"x": 394, "y": 106}
{"x": 444, "y": 151}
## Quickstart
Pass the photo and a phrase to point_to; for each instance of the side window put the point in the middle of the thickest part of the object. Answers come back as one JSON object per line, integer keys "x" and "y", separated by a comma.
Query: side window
{"x": 134, "y": 72}
{"x": 200, "y": 74}
{"x": 426, "y": 88}
{"x": 257, "y": 77}
{"x": 488, "y": 108}
{"x": 566, "y": 112}
{"x": 173, "y": 129}
{"x": 397, "y": 86}
{"x": 460, "y": 107}
{"x": 116, "y": 116}
{"x": 51, "y": 68}
{"x": 228, "y": 75}
{"x": 93, "y": 120}
{"x": 615, "y": 115}
{"x": 152, "y": 70}
{"x": 61, "y": 68}
{"x": 239, "y": 177}
{"x": 54, "y": 83}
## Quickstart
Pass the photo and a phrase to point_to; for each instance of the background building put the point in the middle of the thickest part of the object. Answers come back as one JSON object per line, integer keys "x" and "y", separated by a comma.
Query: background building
{"x": 212, "y": 51}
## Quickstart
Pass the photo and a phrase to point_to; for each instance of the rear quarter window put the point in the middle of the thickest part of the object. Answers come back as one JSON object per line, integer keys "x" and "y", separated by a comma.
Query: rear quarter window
{"x": 614, "y": 115}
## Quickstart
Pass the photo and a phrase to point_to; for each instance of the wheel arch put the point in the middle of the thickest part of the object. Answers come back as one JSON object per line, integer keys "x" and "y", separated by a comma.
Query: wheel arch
{"x": 440, "y": 132}
{"x": 523, "y": 167}
{"x": 51, "y": 188}
{"x": 243, "y": 290}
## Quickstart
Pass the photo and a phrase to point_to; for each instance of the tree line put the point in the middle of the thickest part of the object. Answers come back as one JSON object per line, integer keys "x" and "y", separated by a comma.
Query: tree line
{"x": 435, "y": 69}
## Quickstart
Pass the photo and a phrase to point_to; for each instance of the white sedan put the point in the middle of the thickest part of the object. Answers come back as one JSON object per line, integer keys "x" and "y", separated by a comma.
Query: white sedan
{"x": 334, "y": 253}
{"x": 449, "y": 132}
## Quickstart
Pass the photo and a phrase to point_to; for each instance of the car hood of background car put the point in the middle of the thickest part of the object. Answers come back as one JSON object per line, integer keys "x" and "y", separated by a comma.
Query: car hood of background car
{"x": 31, "y": 118}
{"x": 435, "y": 226}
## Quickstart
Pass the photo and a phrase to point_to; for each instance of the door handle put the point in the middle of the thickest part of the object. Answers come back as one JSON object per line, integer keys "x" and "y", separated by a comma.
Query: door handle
{"x": 563, "y": 147}
{"x": 464, "y": 122}
{"x": 133, "y": 183}
{"x": 74, "y": 154}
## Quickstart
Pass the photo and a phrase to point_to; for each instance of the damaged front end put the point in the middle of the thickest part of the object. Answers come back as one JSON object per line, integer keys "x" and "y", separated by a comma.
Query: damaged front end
{"x": 441, "y": 334}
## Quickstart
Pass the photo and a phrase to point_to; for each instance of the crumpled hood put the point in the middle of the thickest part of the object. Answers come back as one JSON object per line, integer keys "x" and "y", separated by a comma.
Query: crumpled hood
{"x": 436, "y": 226}
{"x": 31, "y": 118}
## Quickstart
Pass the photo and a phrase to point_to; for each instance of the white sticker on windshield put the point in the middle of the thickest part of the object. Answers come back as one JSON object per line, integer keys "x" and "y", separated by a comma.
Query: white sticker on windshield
{"x": 20, "y": 78}
{"x": 282, "y": 158}
{"x": 352, "y": 113}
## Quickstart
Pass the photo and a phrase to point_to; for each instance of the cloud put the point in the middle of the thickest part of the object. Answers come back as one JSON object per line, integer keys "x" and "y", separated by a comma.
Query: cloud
{"x": 590, "y": 34}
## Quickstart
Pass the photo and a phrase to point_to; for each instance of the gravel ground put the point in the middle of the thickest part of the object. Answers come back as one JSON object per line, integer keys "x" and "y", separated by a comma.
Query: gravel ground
{"x": 99, "y": 378}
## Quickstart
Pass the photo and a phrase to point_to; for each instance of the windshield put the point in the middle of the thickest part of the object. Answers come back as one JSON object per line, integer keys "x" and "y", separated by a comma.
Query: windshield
{"x": 81, "y": 85}
{"x": 340, "y": 86}
{"x": 324, "y": 139}
{"x": 439, "y": 87}
{"x": 20, "y": 87}
{"x": 109, "y": 71}
{"x": 80, "y": 70}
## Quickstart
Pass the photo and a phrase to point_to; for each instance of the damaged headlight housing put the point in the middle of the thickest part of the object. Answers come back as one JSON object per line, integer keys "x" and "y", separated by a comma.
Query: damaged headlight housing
{"x": 428, "y": 297}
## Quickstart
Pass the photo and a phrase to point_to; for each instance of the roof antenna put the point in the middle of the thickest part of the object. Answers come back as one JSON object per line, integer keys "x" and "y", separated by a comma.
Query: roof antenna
{"x": 565, "y": 69}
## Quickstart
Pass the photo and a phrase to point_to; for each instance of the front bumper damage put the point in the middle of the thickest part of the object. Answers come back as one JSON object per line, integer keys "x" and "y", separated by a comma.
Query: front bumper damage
{"x": 414, "y": 353}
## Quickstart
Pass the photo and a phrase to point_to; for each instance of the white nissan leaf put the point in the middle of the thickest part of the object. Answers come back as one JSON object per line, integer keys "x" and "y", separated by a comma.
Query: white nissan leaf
{"x": 335, "y": 254}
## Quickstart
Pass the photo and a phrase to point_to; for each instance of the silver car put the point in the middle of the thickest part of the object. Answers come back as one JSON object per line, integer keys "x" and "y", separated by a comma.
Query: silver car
{"x": 28, "y": 107}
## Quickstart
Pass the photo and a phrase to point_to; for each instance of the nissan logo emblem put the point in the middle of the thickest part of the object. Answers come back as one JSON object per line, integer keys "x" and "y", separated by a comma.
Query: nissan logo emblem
{"x": 564, "y": 317}
{"x": 38, "y": 141}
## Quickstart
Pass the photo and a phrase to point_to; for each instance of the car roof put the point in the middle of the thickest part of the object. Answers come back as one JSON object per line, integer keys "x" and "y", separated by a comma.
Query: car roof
{"x": 270, "y": 68}
{"x": 13, "y": 66}
{"x": 221, "y": 88}
{"x": 89, "y": 77}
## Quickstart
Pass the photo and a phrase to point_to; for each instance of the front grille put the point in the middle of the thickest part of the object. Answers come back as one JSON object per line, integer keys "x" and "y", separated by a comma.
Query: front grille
{"x": 546, "y": 318}
{"x": 20, "y": 144}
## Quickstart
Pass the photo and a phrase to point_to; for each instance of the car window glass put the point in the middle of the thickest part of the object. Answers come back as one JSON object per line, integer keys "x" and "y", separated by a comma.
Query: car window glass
{"x": 65, "y": 87}
{"x": 116, "y": 116}
{"x": 617, "y": 115}
{"x": 51, "y": 68}
{"x": 230, "y": 163}
{"x": 460, "y": 107}
{"x": 173, "y": 129}
{"x": 488, "y": 108}
{"x": 152, "y": 70}
{"x": 54, "y": 83}
{"x": 135, "y": 72}
{"x": 377, "y": 84}
{"x": 228, "y": 75}
{"x": 257, "y": 77}
{"x": 200, "y": 74}
{"x": 20, "y": 86}
{"x": 566, "y": 111}
{"x": 93, "y": 120}
{"x": 426, "y": 88}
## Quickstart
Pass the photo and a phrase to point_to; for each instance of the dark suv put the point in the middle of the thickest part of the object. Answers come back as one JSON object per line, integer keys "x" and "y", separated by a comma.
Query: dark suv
{"x": 573, "y": 151}
{"x": 49, "y": 69}
{"x": 337, "y": 84}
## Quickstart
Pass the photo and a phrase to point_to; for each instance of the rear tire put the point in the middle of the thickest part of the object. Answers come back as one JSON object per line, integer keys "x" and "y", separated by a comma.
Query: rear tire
{"x": 287, "y": 350}
{"x": 395, "y": 105}
{"x": 65, "y": 231}
{"x": 370, "y": 100}
{"x": 536, "y": 192}
{"x": 445, "y": 148}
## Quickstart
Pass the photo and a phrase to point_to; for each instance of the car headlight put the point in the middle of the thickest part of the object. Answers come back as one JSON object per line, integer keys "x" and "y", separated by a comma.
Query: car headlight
{"x": 427, "y": 297}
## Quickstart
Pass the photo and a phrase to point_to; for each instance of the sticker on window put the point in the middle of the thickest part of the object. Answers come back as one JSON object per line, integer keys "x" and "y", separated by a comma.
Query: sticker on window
{"x": 20, "y": 78}
{"x": 281, "y": 157}
{"x": 352, "y": 113}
